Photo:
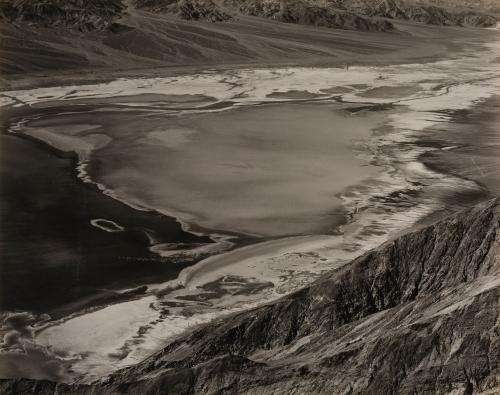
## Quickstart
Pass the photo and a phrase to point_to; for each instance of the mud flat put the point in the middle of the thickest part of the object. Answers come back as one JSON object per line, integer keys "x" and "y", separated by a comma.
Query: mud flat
{"x": 47, "y": 228}
{"x": 475, "y": 149}
{"x": 265, "y": 171}
{"x": 316, "y": 197}
{"x": 57, "y": 261}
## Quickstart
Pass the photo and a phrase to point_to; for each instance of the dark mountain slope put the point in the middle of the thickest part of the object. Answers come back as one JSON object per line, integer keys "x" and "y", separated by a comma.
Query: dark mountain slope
{"x": 37, "y": 36}
{"x": 205, "y": 10}
{"x": 149, "y": 40}
{"x": 83, "y": 15}
{"x": 307, "y": 12}
{"x": 491, "y": 7}
{"x": 418, "y": 315}
{"x": 344, "y": 14}
{"x": 434, "y": 13}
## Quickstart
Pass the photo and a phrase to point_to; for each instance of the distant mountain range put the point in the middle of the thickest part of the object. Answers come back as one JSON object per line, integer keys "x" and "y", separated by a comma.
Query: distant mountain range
{"x": 84, "y": 15}
{"x": 366, "y": 15}
{"x": 434, "y": 12}
{"x": 307, "y": 12}
{"x": 345, "y": 14}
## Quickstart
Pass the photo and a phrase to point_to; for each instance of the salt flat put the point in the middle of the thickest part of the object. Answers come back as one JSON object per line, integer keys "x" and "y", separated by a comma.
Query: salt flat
{"x": 248, "y": 146}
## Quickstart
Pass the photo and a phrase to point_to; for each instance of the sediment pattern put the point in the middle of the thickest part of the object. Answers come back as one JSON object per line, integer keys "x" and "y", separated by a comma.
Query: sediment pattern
{"x": 416, "y": 315}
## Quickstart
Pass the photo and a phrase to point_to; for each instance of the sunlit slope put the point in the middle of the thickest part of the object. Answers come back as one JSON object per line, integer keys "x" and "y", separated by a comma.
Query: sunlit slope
{"x": 146, "y": 40}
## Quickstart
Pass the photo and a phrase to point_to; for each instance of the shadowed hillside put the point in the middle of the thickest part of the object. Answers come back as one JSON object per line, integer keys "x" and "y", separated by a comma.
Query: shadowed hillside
{"x": 113, "y": 36}
{"x": 343, "y": 14}
{"x": 416, "y": 315}
{"x": 145, "y": 40}
{"x": 205, "y": 10}
{"x": 88, "y": 15}
{"x": 84, "y": 15}
{"x": 303, "y": 12}
{"x": 422, "y": 11}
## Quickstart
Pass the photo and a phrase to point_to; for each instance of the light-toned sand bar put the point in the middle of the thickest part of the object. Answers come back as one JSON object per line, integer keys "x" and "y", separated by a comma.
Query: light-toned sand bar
{"x": 204, "y": 163}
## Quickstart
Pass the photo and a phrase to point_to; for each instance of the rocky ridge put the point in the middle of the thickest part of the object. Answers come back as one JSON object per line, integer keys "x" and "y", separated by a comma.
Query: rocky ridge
{"x": 422, "y": 11}
{"x": 205, "y": 10}
{"x": 310, "y": 13}
{"x": 303, "y": 12}
{"x": 364, "y": 15}
{"x": 83, "y": 15}
{"x": 345, "y": 14}
{"x": 420, "y": 314}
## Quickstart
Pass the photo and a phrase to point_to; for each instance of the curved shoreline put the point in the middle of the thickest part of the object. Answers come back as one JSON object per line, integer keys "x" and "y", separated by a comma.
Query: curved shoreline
{"x": 81, "y": 162}
{"x": 355, "y": 208}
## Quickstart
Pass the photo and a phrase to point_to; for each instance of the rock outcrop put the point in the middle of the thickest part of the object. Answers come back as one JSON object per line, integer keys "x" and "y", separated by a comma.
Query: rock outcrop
{"x": 364, "y": 15}
{"x": 306, "y": 12}
{"x": 491, "y": 7}
{"x": 422, "y": 12}
{"x": 303, "y": 12}
{"x": 204, "y": 10}
{"x": 419, "y": 314}
{"x": 83, "y": 15}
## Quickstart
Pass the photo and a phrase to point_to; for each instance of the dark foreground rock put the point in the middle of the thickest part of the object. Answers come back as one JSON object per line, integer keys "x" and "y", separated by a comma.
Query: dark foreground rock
{"x": 419, "y": 315}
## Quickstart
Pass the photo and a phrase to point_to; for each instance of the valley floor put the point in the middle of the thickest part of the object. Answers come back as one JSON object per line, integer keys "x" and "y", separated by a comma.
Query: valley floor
{"x": 213, "y": 177}
{"x": 162, "y": 46}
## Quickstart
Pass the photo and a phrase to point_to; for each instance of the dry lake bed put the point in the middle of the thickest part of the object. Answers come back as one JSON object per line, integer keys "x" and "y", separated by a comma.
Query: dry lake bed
{"x": 198, "y": 195}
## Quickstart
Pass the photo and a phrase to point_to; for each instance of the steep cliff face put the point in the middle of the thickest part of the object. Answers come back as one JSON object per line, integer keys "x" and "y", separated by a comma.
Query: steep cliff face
{"x": 418, "y": 315}
{"x": 81, "y": 15}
